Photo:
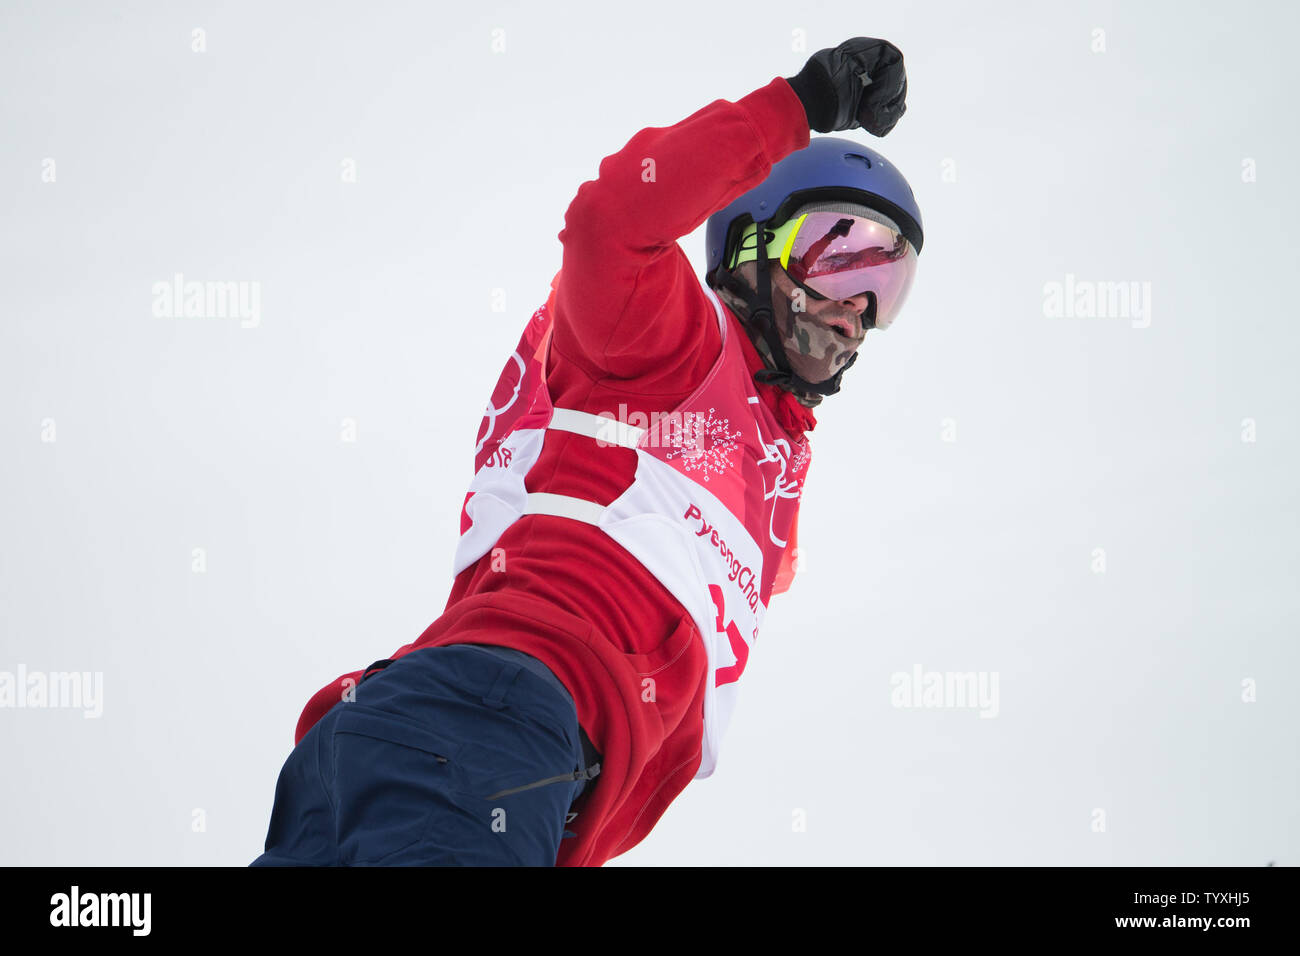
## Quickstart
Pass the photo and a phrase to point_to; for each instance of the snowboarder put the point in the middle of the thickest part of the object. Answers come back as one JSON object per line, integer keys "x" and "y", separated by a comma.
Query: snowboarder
{"x": 634, "y": 502}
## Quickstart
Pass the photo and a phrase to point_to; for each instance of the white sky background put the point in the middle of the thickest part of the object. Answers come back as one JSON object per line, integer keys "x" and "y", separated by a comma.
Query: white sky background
{"x": 1119, "y": 690}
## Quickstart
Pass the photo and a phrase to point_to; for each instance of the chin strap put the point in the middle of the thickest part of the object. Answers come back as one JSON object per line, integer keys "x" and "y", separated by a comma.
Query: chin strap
{"x": 763, "y": 318}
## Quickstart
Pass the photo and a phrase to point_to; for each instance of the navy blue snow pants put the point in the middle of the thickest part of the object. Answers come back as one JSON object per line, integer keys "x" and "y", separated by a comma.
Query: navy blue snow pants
{"x": 460, "y": 755}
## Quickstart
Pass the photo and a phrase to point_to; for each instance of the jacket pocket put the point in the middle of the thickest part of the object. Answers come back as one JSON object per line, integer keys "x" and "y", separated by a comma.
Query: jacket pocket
{"x": 670, "y": 650}
{"x": 669, "y": 677}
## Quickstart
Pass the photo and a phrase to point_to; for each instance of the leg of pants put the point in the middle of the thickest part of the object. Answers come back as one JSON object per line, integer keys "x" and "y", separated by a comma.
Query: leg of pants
{"x": 422, "y": 769}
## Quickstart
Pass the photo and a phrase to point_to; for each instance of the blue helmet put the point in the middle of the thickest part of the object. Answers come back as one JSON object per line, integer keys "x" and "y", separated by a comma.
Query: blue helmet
{"x": 829, "y": 167}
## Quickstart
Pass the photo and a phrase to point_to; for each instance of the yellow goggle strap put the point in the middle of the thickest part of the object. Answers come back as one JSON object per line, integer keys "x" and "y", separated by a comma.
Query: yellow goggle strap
{"x": 783, "y": 238}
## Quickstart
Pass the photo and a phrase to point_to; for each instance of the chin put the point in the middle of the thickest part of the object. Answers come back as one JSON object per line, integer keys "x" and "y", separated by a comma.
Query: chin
{"x": 807, "y": 375}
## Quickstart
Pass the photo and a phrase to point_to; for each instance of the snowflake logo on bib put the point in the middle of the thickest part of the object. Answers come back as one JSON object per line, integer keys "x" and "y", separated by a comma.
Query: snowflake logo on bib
{"x": 704, "y": 443}
{"x": 800, "y": 459}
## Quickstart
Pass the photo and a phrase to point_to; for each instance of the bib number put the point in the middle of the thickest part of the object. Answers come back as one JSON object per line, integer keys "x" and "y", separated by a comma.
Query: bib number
{"x": 730, "y": 674}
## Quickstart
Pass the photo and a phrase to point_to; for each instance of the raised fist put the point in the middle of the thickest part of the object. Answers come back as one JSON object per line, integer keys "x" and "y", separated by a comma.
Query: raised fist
{"x": 861, "y": 82}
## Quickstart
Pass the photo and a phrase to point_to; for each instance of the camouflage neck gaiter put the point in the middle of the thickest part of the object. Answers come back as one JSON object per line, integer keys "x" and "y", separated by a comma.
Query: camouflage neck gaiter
{"x": 814, "y": 351}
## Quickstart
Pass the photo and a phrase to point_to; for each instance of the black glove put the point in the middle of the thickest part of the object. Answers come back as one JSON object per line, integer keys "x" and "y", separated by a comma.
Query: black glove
{"x": 861, "y": 82}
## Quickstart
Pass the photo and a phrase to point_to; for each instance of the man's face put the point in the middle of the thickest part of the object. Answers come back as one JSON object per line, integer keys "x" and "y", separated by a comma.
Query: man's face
{"x": 819, "y": 335}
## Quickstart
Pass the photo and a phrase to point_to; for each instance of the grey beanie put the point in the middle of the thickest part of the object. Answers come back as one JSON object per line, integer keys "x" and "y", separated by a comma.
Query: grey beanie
{"x": 851, "y": 209}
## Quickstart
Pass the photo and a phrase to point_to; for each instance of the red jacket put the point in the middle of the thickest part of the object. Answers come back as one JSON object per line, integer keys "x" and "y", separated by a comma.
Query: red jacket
{"x": 631, "y": 326}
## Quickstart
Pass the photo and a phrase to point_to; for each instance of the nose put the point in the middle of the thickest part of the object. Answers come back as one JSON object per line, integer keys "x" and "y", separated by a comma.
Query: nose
{"x": 858, "y": 303}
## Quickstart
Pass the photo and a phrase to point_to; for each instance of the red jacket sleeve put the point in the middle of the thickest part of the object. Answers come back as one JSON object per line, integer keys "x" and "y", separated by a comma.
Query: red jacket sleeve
{"x": 618, "y": 305}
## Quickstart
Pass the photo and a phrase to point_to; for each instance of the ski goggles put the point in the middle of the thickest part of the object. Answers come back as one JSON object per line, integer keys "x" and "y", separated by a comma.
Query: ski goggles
{"x": 838, "y": 255}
